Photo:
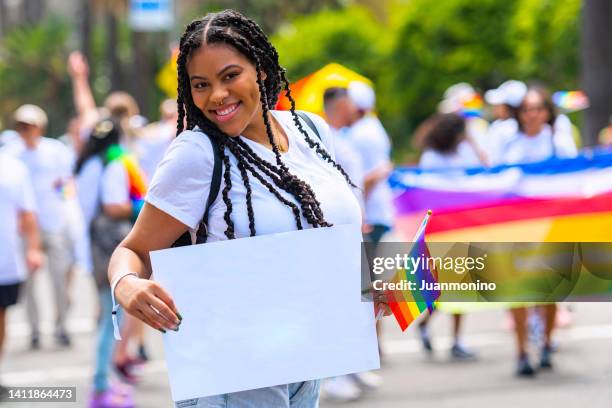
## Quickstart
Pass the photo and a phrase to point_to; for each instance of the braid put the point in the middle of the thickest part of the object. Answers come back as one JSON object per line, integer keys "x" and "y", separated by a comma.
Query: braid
{"x": 249, "y": 195}
{"x": 229, "y": 232}
{"x": 262, "y": 180}
{"x": 246, "y": 37}
{"x": 313, "y": 145}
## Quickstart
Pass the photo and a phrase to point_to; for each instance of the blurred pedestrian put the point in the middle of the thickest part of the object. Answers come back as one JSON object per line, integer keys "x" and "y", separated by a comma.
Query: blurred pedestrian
{"x": 446, "y": 147}
{"x": 503, "y": 101}
{"x": 49, "y": 165}
{"x": 105, "y": 179}
{"x": 341, "y": 113}
{"x": 463, "y": 100}
{"x": 535, "y": 140}
{"x": 536, "y": 137}
{"x": 605, "y": 136}
{"x": 152, "y": 141}
{"x": 17, "y": 206}
{"x": 368, "y": 136}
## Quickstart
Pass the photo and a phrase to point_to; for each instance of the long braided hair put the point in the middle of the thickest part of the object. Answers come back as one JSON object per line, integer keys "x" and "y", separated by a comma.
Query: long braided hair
{"x": 232, "y": 28}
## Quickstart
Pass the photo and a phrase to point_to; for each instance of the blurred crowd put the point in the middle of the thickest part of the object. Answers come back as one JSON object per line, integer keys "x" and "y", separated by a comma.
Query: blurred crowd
{"x": 66, "y": 202}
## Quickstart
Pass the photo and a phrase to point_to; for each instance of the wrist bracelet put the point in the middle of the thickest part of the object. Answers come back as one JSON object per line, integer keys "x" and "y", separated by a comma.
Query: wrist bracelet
{"x": 115, "y": 282}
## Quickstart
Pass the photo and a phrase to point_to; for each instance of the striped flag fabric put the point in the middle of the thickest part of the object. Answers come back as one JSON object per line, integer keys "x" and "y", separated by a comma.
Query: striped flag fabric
{"x": 558, "y": 200}
{"x": 407, "y": 305}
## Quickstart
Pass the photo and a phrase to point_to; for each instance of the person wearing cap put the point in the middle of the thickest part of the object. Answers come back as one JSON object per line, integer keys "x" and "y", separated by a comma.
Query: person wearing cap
{"x": 49, "y": 164}
{"x": 462, "y": 99}
{"x": 503, "y": 100}
{"x": 371, "y": 140}
{"x": 17, "y": 212}
{"x": 340, "y": 114}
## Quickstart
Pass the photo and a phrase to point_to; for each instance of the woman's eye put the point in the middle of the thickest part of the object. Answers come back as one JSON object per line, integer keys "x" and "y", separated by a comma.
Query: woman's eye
{"x": 231, "y": 75}
{"x": 200, "y": 85}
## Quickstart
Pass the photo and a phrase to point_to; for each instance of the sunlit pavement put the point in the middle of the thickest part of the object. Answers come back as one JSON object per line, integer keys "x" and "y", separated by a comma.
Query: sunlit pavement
{"x": 582, "y": 375}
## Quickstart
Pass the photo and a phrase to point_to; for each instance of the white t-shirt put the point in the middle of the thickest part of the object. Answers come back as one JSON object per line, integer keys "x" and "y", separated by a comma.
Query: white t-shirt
{"x": 499, "y": 133}
{"x": 152, "y": 144}
{"x": 49, "y": 166}
{"x": 97, "y": 185}
{"x": 525, "y": 149}
{"x": 370, "y": 139}
{"x": 181, "y": 184}
{"x": 463, "y": 157}
{"x": 348, "y": 157}
{"x": 16, "y": 196}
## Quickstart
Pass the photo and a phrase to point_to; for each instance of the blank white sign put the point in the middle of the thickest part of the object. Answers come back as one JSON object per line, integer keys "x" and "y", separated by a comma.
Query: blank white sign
{"x": 267, "y": 310}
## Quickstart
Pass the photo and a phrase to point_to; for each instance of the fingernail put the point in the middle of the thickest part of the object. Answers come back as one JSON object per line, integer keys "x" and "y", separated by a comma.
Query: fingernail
{"x": 176, "y": 329}
{"x": 179, "y": 315}
{"x": 162, "y": 330}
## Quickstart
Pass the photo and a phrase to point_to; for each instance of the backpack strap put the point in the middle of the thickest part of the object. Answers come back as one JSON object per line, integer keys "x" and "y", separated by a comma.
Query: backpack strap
{"x": 309, "y": 122}
{"x": 215, "y": 186}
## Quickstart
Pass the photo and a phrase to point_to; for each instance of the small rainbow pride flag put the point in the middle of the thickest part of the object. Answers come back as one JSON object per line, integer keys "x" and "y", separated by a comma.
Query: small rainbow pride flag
{"x": 136, "y": 178}
{"x": 407, "y": 305}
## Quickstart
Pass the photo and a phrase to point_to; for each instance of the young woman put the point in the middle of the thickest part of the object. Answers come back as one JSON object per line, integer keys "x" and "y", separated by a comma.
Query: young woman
{"x": 277, "y": 175}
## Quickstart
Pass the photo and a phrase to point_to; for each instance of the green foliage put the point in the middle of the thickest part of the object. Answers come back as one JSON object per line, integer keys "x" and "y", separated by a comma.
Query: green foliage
{"x": 269, "y": 14}
{"x": 33, "y": 70}
{"x": 350, "y": 36}
{"x": 545, "y": 37}
{"x": 426, "y": 46}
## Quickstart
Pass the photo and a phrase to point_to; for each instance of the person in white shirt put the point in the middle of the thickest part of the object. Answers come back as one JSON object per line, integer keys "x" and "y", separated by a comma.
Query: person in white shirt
{"x": 278, "y": 176}
{"x": 446, "y": 147}
{"x": 17, "y": 212}
{"x": 49, "y": 165}
{"x": 462, "y": 99}
{"x": 503, "y": 100}
{"x": 370, "y": 139}
{"x": 104, "y": 189}
{"x": 341, "y": 113}
{"x": 537, "y": 137}
{"x": 153, "y": 140}
{"x": 534, "y": 141}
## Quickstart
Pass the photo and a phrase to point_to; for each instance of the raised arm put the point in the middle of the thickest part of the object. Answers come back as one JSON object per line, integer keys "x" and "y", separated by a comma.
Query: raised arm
{"x": 83, "y": 97}
{"x": 140, "y": 297}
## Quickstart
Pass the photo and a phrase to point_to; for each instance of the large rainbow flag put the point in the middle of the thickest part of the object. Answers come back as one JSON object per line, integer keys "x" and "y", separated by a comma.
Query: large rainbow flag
{"x": 558, "y": 200}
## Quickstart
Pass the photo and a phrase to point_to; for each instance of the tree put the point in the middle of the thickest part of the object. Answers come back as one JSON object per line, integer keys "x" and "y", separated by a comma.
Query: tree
{"x": 269, "y": 14}
{"x": 310, "y": 42}
{"x": 33, "y": 70}
{"x": 597, "y": 66}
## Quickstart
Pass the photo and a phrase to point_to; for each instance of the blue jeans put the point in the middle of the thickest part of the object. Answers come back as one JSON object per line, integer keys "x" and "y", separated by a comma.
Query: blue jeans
{"x": 297, "y": 395}
{"x": 106, "y": 341}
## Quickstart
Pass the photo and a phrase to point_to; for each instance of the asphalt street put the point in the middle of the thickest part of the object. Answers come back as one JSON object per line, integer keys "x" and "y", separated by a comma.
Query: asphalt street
{"x": 582, "y": 375}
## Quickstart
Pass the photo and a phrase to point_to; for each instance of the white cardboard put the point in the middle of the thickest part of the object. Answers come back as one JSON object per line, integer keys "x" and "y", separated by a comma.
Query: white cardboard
{"x": 267, "y": 310}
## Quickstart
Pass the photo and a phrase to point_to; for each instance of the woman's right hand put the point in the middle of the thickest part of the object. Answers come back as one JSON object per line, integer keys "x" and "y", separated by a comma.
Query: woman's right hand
{"x": 149, "y": 302}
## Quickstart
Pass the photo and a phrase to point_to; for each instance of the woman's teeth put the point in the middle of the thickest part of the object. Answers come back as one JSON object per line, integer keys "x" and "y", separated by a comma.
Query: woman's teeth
{"x": 227, "y": 110}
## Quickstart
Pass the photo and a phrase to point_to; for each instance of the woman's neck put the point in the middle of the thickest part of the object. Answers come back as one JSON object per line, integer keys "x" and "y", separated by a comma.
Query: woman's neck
{"x": 257, "y": 131}
{"x": 534, "y": 131}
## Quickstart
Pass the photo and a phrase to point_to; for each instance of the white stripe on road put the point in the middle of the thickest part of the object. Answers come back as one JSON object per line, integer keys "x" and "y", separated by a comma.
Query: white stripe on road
{"x": 391, "y": 347}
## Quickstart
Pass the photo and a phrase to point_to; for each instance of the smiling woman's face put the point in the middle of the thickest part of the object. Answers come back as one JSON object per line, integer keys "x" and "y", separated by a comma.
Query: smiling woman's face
{"x": 224, "y": 87}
